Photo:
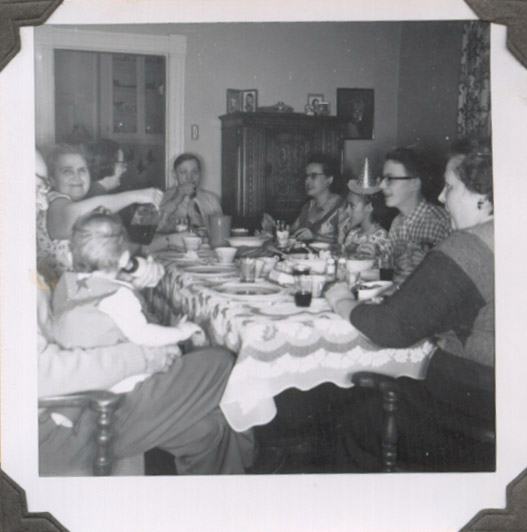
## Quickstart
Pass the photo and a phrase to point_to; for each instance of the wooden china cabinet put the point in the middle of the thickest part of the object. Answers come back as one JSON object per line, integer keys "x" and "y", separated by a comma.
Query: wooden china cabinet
{"x": 263, "y": 161}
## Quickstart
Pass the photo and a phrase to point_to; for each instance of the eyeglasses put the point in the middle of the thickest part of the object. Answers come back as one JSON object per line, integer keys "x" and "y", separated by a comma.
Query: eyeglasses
{"x": 390, "y": 178}
{"x": 313, "y": 175}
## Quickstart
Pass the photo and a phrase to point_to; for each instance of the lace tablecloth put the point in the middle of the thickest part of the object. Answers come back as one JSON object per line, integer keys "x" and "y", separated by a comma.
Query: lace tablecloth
{"x": 278, "y": 345}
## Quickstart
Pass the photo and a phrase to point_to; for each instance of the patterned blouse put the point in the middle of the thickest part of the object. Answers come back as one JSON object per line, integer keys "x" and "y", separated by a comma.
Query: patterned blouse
{"x": 323, "y": 222}
{"x": 52, "y": 254}
{"x": 356, "y": 237}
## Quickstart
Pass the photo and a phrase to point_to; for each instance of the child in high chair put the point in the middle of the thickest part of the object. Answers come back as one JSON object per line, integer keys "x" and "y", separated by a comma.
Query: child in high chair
{"x": 92, "y": 307}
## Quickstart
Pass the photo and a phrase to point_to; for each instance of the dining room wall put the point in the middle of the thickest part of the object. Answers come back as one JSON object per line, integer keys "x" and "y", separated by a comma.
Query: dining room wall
{"x": 285, "y": 62}
{"x": 430, "y": 61}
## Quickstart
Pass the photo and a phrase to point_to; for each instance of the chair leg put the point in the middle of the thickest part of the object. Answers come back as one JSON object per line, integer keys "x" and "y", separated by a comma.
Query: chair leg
{"x": 105, "y": 405}
{"x": 389, "y": 431}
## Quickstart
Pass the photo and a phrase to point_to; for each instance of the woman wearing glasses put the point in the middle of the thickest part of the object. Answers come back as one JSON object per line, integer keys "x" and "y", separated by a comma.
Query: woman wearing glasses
{"x": 325, "y": 211}
{"x": 419, "y": 226}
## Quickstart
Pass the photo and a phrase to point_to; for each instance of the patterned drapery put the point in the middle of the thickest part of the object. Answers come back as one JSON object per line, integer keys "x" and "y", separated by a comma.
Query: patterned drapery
{"x": 473, "y": 117}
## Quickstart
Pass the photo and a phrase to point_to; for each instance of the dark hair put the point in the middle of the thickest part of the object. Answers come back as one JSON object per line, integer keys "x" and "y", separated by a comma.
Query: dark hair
{"x": 186, "y": 157}
{"x": 380, "y": 214}
{"x": 475, "y": 168}
{"x": 98, "y": 239}
{"x": 416, "y": 165}
{"x": 330, "y": 169}
{"x": 102, "y": 155}
{"x": 58, "y": 151}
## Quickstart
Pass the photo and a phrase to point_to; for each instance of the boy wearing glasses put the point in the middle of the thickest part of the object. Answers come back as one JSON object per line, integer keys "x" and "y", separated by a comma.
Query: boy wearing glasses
{"x": 419, "y": 226}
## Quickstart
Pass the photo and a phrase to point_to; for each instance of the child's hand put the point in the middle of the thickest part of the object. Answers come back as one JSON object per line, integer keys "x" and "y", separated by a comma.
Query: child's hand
{"x": 199, "y": 339}
{"x": 159, "y": 359}
{"x": 187, "y": 329}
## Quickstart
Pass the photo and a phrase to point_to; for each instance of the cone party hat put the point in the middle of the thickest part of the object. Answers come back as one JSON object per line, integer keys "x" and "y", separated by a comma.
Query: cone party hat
{"x": 365, "y": 184}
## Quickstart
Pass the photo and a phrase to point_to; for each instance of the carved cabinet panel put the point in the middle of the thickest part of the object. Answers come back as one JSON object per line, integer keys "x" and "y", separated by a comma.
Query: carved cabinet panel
{"x": 263, "y": 161}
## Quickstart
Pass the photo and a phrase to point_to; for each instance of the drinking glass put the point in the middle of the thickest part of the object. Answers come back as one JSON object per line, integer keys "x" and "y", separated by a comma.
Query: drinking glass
{"x": 303, "y": 287}
{"x": 247, "y": 270}
{"x": 144, "y": 224}
{"x": 386, "y": 267}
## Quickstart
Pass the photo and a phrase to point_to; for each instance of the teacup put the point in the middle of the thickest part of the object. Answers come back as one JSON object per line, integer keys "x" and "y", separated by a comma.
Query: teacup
{"x": 191, "y": 243}
{"x": 225, "y": 254}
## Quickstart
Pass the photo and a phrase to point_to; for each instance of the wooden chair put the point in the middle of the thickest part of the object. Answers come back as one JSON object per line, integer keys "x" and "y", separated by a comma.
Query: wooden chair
{"x": 389, "y": 389}
{"x": 102, "y": 402}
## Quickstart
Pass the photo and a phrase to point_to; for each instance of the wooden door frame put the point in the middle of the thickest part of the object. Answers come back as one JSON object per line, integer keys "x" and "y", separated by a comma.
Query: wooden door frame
{"x": 173, "y": 47}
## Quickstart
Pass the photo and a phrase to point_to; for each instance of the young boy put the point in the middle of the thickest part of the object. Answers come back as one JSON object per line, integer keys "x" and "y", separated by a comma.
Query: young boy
{"x": 91, "y": 306}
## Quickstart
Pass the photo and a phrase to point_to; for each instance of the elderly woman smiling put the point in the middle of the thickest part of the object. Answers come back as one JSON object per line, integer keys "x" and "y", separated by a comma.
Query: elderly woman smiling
{"x": 70, "y": 180}
{"x": 449, "y": 296}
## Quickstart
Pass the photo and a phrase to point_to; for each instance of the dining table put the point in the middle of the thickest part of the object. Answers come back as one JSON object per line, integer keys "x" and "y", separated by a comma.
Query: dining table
{"x": 277, "y": 344}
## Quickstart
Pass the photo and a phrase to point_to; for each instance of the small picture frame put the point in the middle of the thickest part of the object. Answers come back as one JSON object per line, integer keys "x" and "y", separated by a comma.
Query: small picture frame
{"x": 356, "y": 106}
{"x": 322, "y": 109}
{"x": 314, "y": 99}
{"x": 234, "y": 100}
{"x": 250, "y": 101}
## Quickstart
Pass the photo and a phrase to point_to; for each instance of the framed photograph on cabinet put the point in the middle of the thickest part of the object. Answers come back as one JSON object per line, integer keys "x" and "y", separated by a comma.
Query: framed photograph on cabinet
{"x": 322, "y": 109}
{"x": 356, "y": 106}
{"x": 234, "y": 100}
{"x": 314, "y": 99}
{"x": 250, "y": 101}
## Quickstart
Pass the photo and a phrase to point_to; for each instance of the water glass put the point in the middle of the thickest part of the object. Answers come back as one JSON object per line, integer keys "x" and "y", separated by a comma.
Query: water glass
{"x": 386, "y": 267}
{"x": 247, "y": 270}
{"x": 303, "y": 287}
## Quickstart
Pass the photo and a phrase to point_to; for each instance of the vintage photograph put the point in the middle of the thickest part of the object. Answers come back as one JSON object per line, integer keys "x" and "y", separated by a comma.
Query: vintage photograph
{"x": 234, "y": 100}
{"x": 398, "y": 250}
{"x": 258, "y": 306}
{"x": 314, "y": 99}
{"x": 250, "y": 101}
{"x": 357, "y": 107}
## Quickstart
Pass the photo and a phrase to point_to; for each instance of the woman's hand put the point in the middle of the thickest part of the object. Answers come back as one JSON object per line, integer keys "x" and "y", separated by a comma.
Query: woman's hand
{"x": 367, "y": 248}
{"x": 340, "y": 300}
{"x": 303, "y": 234}
{"x": 149, "y": 195}
{"x": 159, "y": 359}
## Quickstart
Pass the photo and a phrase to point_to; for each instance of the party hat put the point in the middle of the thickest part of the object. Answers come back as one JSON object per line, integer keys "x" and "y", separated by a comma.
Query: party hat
{"x": 365, "y": 184}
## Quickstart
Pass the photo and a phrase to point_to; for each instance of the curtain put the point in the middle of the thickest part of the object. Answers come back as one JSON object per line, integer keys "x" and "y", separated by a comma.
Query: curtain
{"x": 473, "y": 117}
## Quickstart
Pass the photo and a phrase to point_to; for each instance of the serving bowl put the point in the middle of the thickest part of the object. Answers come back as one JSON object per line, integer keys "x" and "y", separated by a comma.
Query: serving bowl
{"x": 239, "y": 231}
{"x": 247, "y": 241}
{"x": 358, "y": 265}
{"x": 314, "y": 265}
{"x": 319, "y": 245}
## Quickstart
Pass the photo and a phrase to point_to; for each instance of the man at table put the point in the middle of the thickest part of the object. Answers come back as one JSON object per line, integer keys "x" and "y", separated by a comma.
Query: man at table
{"x": 419, "y": 226}
{"x": 185, "y": 200}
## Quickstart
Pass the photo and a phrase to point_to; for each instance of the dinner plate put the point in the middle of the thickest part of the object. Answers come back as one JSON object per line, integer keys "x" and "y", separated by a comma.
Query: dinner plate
{"x": 211, "y": 270}
{"x": 250, "y": 291}
{"x": 247, "y": 241}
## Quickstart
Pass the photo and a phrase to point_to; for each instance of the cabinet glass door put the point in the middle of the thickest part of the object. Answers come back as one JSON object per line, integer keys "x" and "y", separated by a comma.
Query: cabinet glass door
{"x": 124, "y": 97}
{"x": 154, "y": 80}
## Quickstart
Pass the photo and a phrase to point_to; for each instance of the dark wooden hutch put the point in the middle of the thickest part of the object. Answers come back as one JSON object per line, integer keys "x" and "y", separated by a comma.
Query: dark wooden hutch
{"x": 263, "y": 161}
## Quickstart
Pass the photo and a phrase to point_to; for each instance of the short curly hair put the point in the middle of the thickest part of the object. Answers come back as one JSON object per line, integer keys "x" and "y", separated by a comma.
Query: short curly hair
{"x": 475, "y": 166}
